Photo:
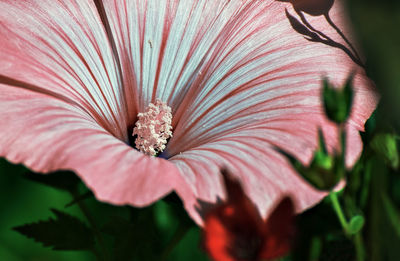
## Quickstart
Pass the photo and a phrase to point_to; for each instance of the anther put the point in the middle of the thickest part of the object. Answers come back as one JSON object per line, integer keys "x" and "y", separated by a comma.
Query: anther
{"x": 153, "y": 128}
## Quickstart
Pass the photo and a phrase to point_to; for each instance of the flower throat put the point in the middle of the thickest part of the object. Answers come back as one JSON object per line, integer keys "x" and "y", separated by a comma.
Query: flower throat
{"x": 153, "y": 128}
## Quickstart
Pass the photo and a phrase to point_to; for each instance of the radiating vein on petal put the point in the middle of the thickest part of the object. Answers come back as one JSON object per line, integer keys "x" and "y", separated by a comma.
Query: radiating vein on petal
{"x": 50, "y": 135}
{"x": 61, "y": 46}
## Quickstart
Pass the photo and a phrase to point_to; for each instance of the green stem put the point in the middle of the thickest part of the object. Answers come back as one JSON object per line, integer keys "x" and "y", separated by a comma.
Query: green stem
{"x": 176, "y": 238}
{"x": 103, "y": 253}
{"x": 339, "y": 212}
{"x": 359, "y": 245}
{"x": 97, "y": 254}
{"x": 357, "y": 239}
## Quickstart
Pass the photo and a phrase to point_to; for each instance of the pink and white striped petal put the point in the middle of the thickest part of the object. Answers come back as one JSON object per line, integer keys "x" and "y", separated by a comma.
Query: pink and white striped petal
{"x": 62, "y": 102}
{"x": 62, "y": 47}
{"x": 50, "y": 135}
{"x": 240, "y": 80}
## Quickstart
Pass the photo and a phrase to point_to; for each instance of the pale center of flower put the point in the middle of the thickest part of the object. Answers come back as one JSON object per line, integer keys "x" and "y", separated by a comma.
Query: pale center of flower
{"x": 153, "y": 128}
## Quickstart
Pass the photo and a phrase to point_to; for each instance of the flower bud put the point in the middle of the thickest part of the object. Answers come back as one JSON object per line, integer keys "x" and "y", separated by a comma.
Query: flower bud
{"x": 324, "y": 171}
{"x": 385, "y": 145}
{"x": 338, "y": 102}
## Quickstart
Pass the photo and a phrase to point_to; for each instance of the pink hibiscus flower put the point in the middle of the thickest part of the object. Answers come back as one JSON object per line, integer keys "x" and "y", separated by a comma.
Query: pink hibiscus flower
{"x": 236, "y": 77}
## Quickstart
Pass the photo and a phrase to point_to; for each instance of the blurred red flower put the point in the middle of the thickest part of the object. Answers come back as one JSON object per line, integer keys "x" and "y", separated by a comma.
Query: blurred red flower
{"x": 235, "y": 231}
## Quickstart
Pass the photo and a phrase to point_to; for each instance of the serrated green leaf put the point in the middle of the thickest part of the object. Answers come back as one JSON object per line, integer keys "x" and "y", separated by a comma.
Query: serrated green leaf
{"x": 64, "y": 232}
{"x": 117, "y": 225}
{"x": 356, "y": 224}
{"x": 124, "y": 237}
{"x": 63, "y": 180}
{"x": 132, "y": 237}
{"x": 88, "y": 194}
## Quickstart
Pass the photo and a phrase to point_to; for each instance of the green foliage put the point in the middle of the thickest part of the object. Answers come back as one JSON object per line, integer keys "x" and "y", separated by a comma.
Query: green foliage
{"x": 123, "y": 233}
{"x": 324, "y": 171}
{"x": 315, "y": 248}
{"x": 377, "y": 25}
{"x": 385, "y": 145}
{"x": 393, "y": 213}
{"x": 64, "y": 232}
{"x": 63, "y": 180}
{"x": 338, "y": 101}
{"x": 356, "y": 224}
{"x": 79, "y": 198}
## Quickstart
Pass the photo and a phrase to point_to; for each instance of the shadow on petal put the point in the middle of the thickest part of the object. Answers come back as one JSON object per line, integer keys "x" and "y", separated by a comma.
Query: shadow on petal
{"x": 311, "y": 7}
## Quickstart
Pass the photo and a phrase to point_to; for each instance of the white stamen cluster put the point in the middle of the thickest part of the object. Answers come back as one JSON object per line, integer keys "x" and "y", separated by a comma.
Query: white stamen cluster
{"x": 153, "y": 128}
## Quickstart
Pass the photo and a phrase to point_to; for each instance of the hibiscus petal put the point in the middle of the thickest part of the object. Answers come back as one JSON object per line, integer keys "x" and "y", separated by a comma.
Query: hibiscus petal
{"x": 50, "y": 135}
{"x": 260, "y": 87}
{"x": 163, "y": 44}
{"x": 239, "y": 79}
{"x": 66, "y": 108}
{"x": 62, "y": 47}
